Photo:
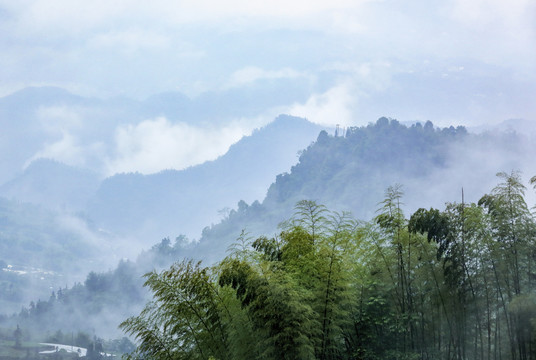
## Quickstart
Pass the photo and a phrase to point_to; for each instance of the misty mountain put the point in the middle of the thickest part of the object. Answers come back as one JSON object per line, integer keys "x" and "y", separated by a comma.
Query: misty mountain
{"x": 98, "y": 303}
{"x": 521, "y": 126}
{"x": 347, "y": 171}
{"x": 35, "y": 236}
{"x": 48, "y": 226}
{"x": 175, "y": 202}
{"x": 53, "y": 185}
{"x": 217, "y": 106}
{"x": 42, "y": 249}
{"x": 102, "y": 134}
{"x": 351, "y": 173}
{"x": 51, "y": 122}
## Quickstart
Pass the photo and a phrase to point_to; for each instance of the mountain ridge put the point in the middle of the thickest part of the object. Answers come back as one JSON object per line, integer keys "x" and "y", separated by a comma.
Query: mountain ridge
{"x": 352, "y": 172}
{"x": 243, "y": 172}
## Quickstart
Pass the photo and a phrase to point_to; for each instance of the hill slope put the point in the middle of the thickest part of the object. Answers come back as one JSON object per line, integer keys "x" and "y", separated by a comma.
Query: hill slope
{"x": 41, "y": 250}
{"x": 53, "y": 185}
{"x": 352, "y": 172}
{"x": 349, "y": 172}
{"x": 176, "y": 202}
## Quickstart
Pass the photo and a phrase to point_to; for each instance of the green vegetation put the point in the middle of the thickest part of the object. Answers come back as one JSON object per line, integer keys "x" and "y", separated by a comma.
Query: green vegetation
{"x": 33, "y": 235}
{"x": 98, "y": 304}
{"x": 43, "y": 248}
{"x": 350, "y": 172}
{"x": 456, "y": 283}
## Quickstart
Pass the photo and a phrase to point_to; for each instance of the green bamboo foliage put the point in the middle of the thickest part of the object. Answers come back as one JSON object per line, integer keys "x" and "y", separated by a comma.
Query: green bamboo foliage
{"x": 184, "y": 319}
{"x": 452, "y": 284}
{"x": 513, "y": 231}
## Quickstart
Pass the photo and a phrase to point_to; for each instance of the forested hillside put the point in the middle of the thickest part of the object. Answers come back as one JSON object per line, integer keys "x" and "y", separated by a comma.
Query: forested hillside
{"x": 326, "y": 284}
{"x": 97, "y": 304}
{"x": 40, "y": 250}
{"x": 351, "y": 170}
{"x": 455, "y": 283}
{"x": 58, "y": 222}
{"x": 322, "y": 179}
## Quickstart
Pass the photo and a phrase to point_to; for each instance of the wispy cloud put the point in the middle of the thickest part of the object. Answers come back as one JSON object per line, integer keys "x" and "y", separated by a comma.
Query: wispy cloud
{"x": 157, "y": 144}
{"x": 58, "y": 119}
{"x": 329, "y": 108}
{"x": 70, "y": 151}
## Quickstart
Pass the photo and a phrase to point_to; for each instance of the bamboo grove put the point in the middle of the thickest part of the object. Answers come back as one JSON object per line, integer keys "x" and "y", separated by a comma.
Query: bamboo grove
{"x": 457, "y": 283}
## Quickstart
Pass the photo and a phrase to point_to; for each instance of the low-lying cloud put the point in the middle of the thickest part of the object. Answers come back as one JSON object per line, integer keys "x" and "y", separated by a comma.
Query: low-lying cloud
{"x": 69, "y": 151}
{"x": 88, "y": 137}
{"x": 328, "y": 108}
{"x": 157, "y": 144}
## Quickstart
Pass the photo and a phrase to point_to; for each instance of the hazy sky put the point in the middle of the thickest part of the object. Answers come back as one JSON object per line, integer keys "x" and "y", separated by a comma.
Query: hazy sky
{"x": 332, "y": 61}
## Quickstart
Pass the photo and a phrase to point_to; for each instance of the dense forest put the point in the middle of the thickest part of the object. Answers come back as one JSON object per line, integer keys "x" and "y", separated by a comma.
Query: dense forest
{"x": 456, "y": 283}
{"x": 95, "y": 306}
{"x": 351, "y": 170}
{"x": 232, "y": 180}
{"x": 440, "y": 284}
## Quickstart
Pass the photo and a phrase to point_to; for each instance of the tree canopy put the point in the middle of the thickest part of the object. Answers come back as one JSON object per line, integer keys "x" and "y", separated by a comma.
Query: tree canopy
{"x": 456, "y": 283}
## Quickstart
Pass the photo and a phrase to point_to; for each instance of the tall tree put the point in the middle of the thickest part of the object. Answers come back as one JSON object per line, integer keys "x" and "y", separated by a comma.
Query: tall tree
{"x": 183, "y": 321}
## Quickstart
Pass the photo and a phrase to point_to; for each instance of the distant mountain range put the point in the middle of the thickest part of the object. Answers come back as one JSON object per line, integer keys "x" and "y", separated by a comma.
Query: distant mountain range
{"x": 127, "y": 211}
{"x": 53, "y": 185}
{"x": 168, "y": 203}
{"x": 171, "y": 202}
{"x": 49, "y": 121}
{"x": 249, "y": 190}
{"x": 68, "y": 219}
{"x": 55, "y": 214}
{"x": 175, "y": 202}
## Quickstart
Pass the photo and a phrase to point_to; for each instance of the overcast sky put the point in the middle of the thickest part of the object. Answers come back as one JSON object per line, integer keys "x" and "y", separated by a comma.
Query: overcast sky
{"x": 348, "y": 61}
{"x": 341, "y": 47}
